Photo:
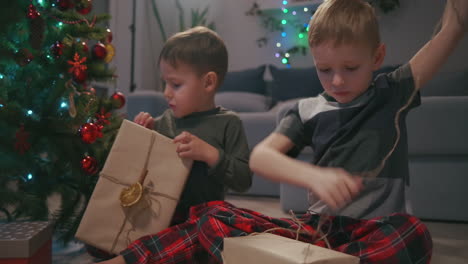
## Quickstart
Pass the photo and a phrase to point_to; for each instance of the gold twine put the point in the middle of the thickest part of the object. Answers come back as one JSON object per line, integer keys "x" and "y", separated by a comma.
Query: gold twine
{"x": 301, "y": 230}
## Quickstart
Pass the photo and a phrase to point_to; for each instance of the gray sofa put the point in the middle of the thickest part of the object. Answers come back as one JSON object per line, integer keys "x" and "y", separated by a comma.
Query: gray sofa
{"x": 438, "y": 149}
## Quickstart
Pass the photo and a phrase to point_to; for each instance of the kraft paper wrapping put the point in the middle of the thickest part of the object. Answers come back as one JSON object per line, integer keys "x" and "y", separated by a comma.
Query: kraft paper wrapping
{"x": 274, "y": 249}
{"x": 109, "y": 226}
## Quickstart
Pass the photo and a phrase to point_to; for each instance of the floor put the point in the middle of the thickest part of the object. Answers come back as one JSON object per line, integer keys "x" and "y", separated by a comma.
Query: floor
{"x": 450, "y": 239}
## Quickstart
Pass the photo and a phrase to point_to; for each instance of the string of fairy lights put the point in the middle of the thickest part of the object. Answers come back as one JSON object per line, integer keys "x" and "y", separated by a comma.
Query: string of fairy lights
{"x": 294, "y": 22}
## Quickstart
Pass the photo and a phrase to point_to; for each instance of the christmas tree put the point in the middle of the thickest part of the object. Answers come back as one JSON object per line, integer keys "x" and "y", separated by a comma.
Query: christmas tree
{"x": 55, "y": 130}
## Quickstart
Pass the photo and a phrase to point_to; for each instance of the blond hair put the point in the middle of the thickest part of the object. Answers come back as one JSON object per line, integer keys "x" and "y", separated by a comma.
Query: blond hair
{"x": 344, "y": 21}
{"x": 199, "y": 47}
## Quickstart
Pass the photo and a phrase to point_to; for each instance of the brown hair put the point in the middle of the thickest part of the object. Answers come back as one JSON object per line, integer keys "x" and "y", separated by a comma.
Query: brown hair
{"x": 199, "y": 47}
{"x": 344, "y": 21}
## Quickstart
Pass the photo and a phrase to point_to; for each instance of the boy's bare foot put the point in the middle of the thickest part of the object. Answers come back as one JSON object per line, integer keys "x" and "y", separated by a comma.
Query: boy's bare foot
{"x": 117, "y": 260}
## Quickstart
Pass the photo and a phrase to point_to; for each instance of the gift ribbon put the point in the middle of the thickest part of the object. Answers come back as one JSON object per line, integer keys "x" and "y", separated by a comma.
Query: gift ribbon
{"x": 301, "y": 230}
{"x": 145, "y": 190}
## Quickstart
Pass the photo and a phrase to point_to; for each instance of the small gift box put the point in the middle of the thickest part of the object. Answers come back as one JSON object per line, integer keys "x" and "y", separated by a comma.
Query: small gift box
{"x": 26, "y": 243}
{"x": 273, "y": 249}
{"x": 137, "y": 191}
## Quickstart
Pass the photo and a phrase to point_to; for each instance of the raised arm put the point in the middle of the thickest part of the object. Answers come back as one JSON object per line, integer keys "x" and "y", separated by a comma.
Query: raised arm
{"x": 434, "y": 53}
{"x": 334, "y": 186}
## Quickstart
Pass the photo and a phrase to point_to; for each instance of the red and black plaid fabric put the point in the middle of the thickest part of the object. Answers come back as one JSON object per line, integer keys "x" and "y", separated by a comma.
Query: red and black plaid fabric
{"x": 397, "y": 238}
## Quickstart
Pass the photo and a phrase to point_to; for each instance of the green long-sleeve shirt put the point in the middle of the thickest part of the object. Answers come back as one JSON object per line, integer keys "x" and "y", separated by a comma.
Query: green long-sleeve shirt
{"x": 223, "y": 130}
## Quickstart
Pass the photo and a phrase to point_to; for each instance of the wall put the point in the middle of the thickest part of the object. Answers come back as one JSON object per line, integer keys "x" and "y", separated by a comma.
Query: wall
{"x": 404, "y": 31}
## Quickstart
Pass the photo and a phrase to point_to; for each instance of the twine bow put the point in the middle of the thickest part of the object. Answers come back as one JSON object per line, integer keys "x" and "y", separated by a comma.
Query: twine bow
{"x": 301, "y": 230}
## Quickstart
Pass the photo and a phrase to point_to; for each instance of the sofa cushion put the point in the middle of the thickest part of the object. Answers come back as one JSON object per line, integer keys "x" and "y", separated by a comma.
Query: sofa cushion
{"x": 294, "y": 83}
{"x": 242, "y": 101}
{"x": 447, "y": 84}
{"x": 249, "y": 80}
{"x": 438, "y": 127}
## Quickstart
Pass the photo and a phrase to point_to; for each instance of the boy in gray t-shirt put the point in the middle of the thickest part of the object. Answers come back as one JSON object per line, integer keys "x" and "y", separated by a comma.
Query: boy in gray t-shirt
{"x": 355, "y": 136}
{"x": 357, "y": 126}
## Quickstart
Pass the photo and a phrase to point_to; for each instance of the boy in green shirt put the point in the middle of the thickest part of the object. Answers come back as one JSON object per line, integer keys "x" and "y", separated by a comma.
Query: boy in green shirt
{"x": 193, "y": 64}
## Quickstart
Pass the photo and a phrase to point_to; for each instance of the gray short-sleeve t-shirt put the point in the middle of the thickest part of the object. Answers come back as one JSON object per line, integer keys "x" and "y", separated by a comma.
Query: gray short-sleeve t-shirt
{"x": 366, "y": 137}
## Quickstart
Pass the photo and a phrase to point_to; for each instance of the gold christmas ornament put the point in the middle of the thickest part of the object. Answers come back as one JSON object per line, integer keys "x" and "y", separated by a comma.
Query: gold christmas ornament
{"x": 110, "y": 52}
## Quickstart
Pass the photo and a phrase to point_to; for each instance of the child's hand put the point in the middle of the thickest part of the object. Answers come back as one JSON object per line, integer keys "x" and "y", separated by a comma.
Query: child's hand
{"x": 192, "y": 147}
{"x": 335, "y": 186}
{"x": 144, "y": 119}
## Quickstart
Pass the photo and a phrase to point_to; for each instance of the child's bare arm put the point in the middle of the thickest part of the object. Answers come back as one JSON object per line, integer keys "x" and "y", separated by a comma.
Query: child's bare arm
{"x": 334, "y": 186}
{"x": 433, "y": 55}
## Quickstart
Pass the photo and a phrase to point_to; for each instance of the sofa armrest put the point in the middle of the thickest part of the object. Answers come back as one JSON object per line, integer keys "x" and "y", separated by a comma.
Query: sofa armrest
{"x": 257, "y": 126}
{"x": 149, "y": 101}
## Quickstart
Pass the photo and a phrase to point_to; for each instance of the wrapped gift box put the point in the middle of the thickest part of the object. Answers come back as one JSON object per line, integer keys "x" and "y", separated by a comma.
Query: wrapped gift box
{"x": 106, "y": 223}
{"x": 26, "y": 243}
{"x": 273, "y": 249}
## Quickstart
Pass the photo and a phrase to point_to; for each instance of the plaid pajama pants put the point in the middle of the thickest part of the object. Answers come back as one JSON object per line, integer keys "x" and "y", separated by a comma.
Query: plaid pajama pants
{"x": 397, "y": 238}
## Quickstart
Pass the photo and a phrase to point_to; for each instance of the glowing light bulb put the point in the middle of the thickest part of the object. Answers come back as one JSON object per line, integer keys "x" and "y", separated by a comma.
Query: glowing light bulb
{"x": 284, "y": 61}
{"x": 284, "y": 21}
{"x": 294, "y": 13}
{"x": 283, "y": 34}
{"x": 30, "y": 176}
{"x": 285, "y": 10}
{"x": 29, "y": 112}
{"x": 301, "y": 35}
{"x": 287, "y": 55}
{"x": 285, "y": 2}
{"x": 277, "y": 55}
{"x": 278, "y": 45}
{"x": 306, "y": 9}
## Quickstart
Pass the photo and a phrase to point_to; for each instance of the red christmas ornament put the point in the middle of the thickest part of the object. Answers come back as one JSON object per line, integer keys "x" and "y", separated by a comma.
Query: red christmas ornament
{"x": 108, "y": 38}
{"x": 22, "y": 145}
{"x": 32, "y": 12}
{"x": 84, "y": 46}
{"x": 23, "y": 57}
{"x": 118, "y": 100}
{"x": 89, "y": 132}
{"x": 99, "y": 51}
{"x": 79, "y": 76}
{"x": 89, "y": 165}
{"x": 63, "y": 5}
{"x": 83, "y": 6}
{"x": 57, "y": 49}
